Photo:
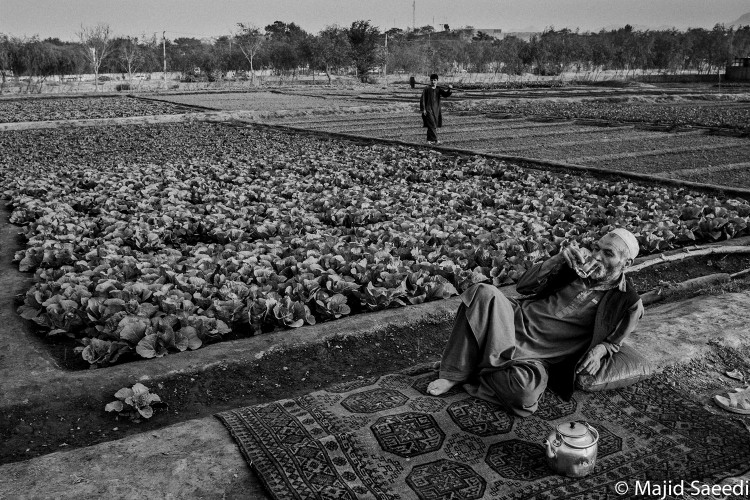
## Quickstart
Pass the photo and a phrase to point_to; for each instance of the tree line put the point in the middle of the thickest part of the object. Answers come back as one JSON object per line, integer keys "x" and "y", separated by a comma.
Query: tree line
{"x": 288, "y": 50}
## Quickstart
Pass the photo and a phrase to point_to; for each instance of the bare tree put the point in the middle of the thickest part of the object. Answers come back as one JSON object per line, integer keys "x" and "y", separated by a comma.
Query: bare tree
{"x": 250, "y": 39}
{"x": 95, "y": 41}
{"x": 131, "y": 57}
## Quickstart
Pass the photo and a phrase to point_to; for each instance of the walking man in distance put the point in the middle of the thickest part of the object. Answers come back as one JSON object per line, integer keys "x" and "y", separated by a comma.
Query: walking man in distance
{"x": 429, "y": 104}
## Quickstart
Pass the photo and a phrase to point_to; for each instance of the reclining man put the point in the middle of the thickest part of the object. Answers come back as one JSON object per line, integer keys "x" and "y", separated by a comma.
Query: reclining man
{"x": 506, "y": 351}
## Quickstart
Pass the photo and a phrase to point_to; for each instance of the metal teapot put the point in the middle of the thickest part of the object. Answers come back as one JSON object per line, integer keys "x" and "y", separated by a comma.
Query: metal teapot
{"x": 571, "y": 448}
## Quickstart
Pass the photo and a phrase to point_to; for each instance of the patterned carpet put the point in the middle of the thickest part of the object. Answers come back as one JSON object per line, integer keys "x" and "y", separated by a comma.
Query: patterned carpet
{"x": 385, "y": 438}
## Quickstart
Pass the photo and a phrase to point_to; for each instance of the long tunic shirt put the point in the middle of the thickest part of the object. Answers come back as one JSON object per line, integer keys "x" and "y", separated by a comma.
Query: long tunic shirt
{"x": 556, "y": 326}
{"x": 429, "y": 105}
{"x": 550, "y": 329}
{"x": 517, "y": 344}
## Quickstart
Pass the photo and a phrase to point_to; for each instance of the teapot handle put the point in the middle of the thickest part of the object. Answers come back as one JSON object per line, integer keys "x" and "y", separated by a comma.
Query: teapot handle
{"x": 551, "y": 453}
{"x": 558, "y": 440}
{"x": 593, "y": 431}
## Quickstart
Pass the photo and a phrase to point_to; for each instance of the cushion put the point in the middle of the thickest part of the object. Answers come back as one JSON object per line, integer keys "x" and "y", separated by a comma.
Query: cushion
{"x": 623, "y": 368}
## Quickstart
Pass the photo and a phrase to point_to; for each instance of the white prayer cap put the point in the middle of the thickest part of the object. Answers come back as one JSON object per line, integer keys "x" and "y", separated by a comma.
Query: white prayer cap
{"x": 631, "y": 246}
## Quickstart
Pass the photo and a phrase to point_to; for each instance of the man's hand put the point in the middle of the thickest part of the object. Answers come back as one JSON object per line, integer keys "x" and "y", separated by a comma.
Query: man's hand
{"x": 572, "y": 255}
{"x": 450, "y": 85}
{"x": 592, "y": 361}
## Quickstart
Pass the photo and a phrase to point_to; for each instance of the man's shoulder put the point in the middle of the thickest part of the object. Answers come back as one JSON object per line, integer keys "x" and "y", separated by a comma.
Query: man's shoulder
{"x": 630, "y": 293}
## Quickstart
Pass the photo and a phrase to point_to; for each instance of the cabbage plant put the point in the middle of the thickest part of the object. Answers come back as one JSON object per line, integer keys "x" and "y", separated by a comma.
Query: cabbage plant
{"x": 134, "y": 402}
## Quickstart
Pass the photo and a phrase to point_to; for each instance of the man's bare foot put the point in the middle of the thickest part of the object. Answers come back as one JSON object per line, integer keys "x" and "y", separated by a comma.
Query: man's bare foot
{"x": 441, "y": 386}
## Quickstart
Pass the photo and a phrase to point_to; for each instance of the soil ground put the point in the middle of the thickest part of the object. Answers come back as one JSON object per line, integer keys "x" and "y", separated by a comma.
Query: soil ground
{"x": 198, "y": 459}
{"x": 29, "y": 431}
{"x": 37, "y": 429}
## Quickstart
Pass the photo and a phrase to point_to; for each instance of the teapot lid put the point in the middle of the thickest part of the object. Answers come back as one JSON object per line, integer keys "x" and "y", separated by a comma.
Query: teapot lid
{"x": 578, "y": 433}
{"x": 572, "y": 429}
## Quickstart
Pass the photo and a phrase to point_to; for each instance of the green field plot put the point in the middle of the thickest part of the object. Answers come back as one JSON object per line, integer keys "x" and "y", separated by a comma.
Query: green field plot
{"x": 344, "y": 120}
{"x": 360, "y": 124}
{"x": 73, "y": 108}
{"x": 366, "y": 121}
{"x": 736, "y": 177}
{"x": 411, "y": 129}
{"x": 675, "y": 161}
{"x": 522, "y": 134}
{"x": 257, "y": 101}
{"x": 622, "y": 147}
{"x": 154, "y": 239}
{"x": 628, "y": 144}
{"x": 733, "y": 115}
{"x": 545, "y": 138}
{"x": 413, "y": 125}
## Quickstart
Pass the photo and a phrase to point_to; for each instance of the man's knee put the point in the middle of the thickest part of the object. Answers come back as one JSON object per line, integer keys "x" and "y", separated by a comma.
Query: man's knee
{"x": 519, "y": 387}
{"x": 522, "y": 403}
{"x": 484, "y": 292}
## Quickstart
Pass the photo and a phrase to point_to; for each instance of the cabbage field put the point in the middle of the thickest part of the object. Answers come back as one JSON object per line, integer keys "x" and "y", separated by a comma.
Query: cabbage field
{"x": 146, "y": 240}
{"x": 71, "y": 108}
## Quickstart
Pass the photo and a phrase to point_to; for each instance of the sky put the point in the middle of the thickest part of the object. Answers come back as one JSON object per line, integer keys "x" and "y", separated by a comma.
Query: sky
{"x": 208, "y": 18}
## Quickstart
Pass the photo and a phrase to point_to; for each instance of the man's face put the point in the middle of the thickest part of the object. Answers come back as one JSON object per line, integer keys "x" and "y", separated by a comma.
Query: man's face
{"x": 612, "y": 259}
{"x": 433, "y": 82}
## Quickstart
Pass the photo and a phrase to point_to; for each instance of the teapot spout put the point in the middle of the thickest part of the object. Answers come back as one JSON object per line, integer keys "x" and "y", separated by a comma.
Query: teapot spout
{"x": 550, "y": 450}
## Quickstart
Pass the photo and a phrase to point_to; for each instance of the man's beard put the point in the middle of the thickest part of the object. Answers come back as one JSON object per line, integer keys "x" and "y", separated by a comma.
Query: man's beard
{"x": 601, "y": 274}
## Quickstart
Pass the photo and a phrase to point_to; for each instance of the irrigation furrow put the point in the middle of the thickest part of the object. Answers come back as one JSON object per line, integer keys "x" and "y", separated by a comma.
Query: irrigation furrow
{"x": 407, "y": 122}
{"x": 456, "y": 136}
{"x": 710, "y": 169}
{"x": 338, "y": 118}
{"x": 638, "y": 145}
{"x": 364, "y": 120}
{"x": 469, "y": 127}
{"x": 504, "y": 129}
{"x": 619, "y": 139}
{"x": 534, "y": 133}
{"x": 733, "y": 178}
{"x": 679, "y": 160}
{"x": 655, "y": 152}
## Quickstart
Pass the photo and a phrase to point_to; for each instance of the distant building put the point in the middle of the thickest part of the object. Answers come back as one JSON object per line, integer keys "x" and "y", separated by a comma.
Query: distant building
{"x": 493, "y": 32}
{"x": 500, "y": 34}
{"x": 739, "y": 70}
{"x": 469, "y": 33}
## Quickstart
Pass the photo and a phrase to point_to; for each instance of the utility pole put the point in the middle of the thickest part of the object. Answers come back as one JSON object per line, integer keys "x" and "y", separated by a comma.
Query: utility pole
{"x": 414, "y": 15}
{"x": 164, "y": 51}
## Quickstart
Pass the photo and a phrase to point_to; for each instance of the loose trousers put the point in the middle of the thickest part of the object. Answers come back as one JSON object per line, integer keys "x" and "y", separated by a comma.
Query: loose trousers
{"x": 432, "y": 134}
{"x": 490, "y": 373}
